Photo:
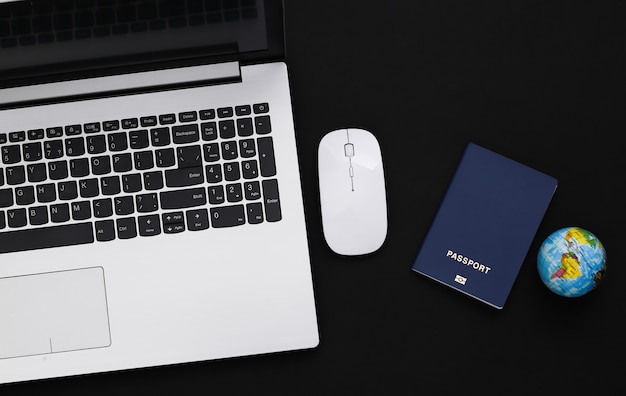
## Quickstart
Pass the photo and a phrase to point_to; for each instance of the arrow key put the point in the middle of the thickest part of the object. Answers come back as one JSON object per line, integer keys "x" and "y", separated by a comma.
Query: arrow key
{"x": 172, "y": 217}
{"x": 197, "y": 219}
{"x": 173, "y": 228}
{"x": 149, "y": 225}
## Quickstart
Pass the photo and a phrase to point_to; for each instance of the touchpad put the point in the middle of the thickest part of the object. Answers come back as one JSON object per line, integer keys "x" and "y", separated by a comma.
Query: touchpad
{"x": 53, "y": 312}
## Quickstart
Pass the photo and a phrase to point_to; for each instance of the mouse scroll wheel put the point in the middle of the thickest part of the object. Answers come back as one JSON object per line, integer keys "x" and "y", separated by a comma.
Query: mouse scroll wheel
{"x": 348, "y": 149}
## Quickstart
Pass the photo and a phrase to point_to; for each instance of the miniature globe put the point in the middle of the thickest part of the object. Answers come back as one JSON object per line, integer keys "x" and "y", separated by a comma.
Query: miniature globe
{"x": 571, "y": 262}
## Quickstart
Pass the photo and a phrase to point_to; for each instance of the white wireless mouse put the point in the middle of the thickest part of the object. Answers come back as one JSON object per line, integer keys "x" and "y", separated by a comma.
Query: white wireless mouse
{"x": 352, "y": 191}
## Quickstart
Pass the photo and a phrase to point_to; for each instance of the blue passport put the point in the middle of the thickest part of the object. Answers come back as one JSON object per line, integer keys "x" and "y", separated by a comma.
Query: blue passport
{"x": 485, "y": 225}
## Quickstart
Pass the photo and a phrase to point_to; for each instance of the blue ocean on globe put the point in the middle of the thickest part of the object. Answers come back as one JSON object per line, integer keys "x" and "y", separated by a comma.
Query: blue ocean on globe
{"x": 571, "y": 262}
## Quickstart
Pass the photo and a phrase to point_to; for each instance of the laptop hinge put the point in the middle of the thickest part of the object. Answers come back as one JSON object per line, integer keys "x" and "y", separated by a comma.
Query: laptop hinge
{"x": 121, "y": 84}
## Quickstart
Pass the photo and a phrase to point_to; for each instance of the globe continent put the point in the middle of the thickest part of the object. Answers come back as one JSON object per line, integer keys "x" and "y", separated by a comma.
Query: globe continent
{"x": 571, "y": 261}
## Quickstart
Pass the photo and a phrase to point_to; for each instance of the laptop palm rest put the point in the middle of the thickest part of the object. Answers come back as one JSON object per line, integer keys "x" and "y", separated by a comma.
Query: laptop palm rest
{"x": 53, "y": 312}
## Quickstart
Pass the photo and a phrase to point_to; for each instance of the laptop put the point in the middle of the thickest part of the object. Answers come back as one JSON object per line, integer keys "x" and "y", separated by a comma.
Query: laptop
{"x": 151, "y": 209}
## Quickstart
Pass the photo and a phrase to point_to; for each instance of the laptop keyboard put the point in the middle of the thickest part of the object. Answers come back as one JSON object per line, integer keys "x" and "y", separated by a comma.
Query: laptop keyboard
{"x": 137, "y": 177}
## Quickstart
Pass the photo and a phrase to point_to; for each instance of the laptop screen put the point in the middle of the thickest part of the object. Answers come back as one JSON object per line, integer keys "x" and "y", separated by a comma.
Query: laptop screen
{"x": 49, "y": 40}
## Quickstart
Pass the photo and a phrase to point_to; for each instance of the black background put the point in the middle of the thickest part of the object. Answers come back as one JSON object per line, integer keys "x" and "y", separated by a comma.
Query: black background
{"x": 539, "y": 82}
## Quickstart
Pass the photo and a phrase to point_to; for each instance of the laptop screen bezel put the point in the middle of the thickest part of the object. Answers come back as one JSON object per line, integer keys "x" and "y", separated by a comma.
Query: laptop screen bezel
{"x": 275, "y": 51}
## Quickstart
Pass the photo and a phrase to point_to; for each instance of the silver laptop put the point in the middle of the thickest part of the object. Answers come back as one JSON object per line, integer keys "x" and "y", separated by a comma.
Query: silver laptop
{"x": 151, "y": 209}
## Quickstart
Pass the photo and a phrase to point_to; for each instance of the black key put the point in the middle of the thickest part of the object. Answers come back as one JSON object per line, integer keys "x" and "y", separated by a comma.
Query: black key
{"x": 266, "y": 156}
{"x": 216, "y": 194}
{"x": 138, "y": 139}
{"x": 122, "y": 162}
{"x": 53, "y": 149}
{"x": 148, "y": 121}
{"x": 229, "y": 150}
{"x": 79, "y": 167}
{"x": 252, "y": 190}
{"x": 59, "y": 213}
{"x": 197, "y": 219}
{"x": 15, "y": 218}
{"x": 46, "y": 193}
{"x": 57, "y": 170}
{"x": 16, "y": 175}
{"x": 260, "y": 108}
{"x": 255, "y": 212}
{"x": 172, "y": 217}
{"x": 36, "y": 172}
{"x": 214, "y": 173}
{"x": 32, "y": 151}
{"x": 245, "y": 127}
{"x": 105, "y": 230}
{"x": 75, "y": 146}
{"x": 231, "y": 171}
{"x": 189, "y": 156}
{"x": 249, "y": 169}
{"x": 149, "y": 225}
{"x": 174, "y": 228}
{"x": 101, "y": 165}
{"x": 165, "y": 158}
{"x": 124, "y": 205}
{"x": 36, "y": 134}
{"x": 187, "y": 116}
{"x": 234, "y": 192}
{"x": 54, "y": 132}
{"x": 6, "y": 197}
{"x": 91, "y": 127}
{"x": 184, "y": 134}
{"x": 223, "y": 112}
{"x": 183, "y": 198}
{"x": 131, "y": 123}
{"x": 38, "y": 215}
{"x": 88, "y": 188}
{"x": 11, "y": 154}
{"x": 153, "y": 180}
{"x": 243, "y": 110}
{"x": 208, "y": 114}
{"x": 147, "y": 203}
{"x": 68, "y": 190}
{"x": 102, "y": 208}
{"x": 143, "y": 160}
{"x": 211, "y": 152}
{"x": 271, "y": 200}
{"x": 72, "y": 130}
{"x": 184, "y": 177}
{"x": 110, "y": 185}
{"x": 228, "y": 216}
{"x": 160, "y": 136}
{"x": 126, "y": 228}
{"x": 81, "y": 210}
{"x": 227, "y": 129}
{"x": 173, "y": 223}
{"x": 96, "y": 144}
{"x": 167, "y": 119}
{"x": 24, "y": 195}
{"x": 117, "y": 141}
{"x": 209, "y": 130}
{"x": 263, "y": 125}
{"x": 113, "y": 125}
{"x": 40, "y": 238}
{"x": 3, "y": 221}
{"x": 131, "y": 182}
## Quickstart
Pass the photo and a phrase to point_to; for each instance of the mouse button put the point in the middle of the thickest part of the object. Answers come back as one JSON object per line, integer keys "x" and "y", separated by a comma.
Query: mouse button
{"x": 348, "y": 149}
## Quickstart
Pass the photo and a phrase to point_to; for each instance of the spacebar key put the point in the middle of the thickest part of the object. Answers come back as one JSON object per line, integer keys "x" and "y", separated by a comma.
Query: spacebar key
{"x": 41, "y": 238}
